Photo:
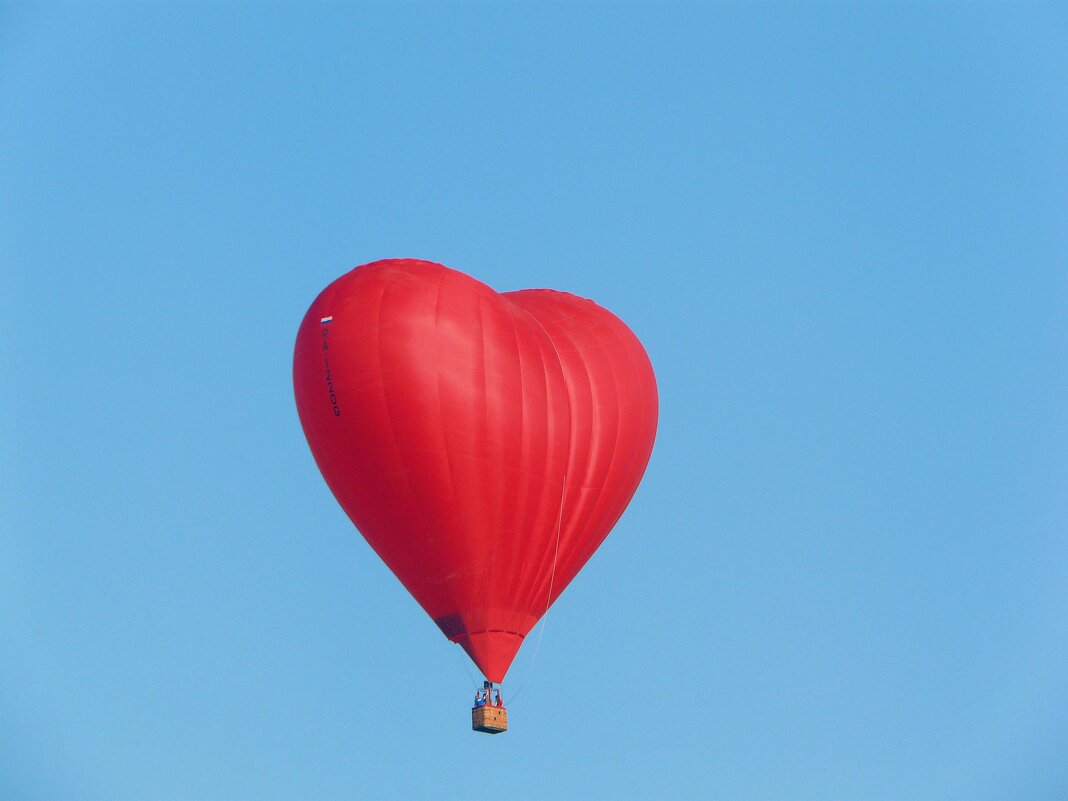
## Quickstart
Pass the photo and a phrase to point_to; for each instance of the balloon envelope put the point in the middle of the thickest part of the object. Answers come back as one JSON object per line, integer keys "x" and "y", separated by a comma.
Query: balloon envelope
{"x": 483, "y": 443}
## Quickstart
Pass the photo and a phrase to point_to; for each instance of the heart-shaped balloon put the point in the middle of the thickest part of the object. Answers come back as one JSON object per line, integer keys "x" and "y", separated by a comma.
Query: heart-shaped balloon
{"x": 483, "y": 443}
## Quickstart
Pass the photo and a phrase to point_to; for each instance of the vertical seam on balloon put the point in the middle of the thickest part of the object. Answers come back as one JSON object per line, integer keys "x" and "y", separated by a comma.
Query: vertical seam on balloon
{"x": 385, "y": 401}
{"x": 578, "y": 519}
{"x": 586, "y": 513}
{"x": 594, "y": 499}
{"x": 480, "y": 594}
{"x": 556, "y": 551}
{"x": 594, "y": 509}
{"x": 631, "y": 455}
{"x": 441, "y": 417}
{"x": 522, "y": 597}
{"x": 533, "y": 593}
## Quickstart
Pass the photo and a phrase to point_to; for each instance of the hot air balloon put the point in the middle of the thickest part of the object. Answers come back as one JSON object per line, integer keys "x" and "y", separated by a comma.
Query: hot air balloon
{"x": 483, "y": 443}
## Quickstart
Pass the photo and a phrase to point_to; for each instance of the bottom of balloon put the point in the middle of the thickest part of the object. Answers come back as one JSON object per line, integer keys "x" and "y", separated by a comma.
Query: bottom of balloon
{"x": 491, "y": 651}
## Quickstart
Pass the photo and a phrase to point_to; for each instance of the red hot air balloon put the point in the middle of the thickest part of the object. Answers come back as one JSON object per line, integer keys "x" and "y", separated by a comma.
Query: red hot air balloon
{"x": 483, "y": 443}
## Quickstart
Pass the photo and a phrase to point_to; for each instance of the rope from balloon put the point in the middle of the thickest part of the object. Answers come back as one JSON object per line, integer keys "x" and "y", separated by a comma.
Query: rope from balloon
{"x": 548, "y": 598}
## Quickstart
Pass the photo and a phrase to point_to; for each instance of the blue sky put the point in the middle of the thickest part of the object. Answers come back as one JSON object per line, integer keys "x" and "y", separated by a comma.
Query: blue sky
{"x": 838, "y": 229}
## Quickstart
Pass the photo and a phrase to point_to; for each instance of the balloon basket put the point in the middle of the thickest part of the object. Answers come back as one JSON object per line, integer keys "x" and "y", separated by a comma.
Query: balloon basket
{"x": 489, "y": 719}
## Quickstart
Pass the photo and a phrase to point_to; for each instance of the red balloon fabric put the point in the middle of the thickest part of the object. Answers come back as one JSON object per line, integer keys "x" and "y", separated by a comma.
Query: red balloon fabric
{"x": 483, "y": 443}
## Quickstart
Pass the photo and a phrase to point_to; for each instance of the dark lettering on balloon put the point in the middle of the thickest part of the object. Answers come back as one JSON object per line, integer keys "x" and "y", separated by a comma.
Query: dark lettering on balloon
{"x": 329, "y": 378}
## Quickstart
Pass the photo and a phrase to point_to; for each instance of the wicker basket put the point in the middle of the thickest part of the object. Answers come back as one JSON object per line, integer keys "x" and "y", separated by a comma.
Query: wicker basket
{"x": 489, "y": 719}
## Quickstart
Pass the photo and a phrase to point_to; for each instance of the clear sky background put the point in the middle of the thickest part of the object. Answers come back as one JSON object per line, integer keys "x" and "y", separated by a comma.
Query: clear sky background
{"x": 841, "y": 233}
